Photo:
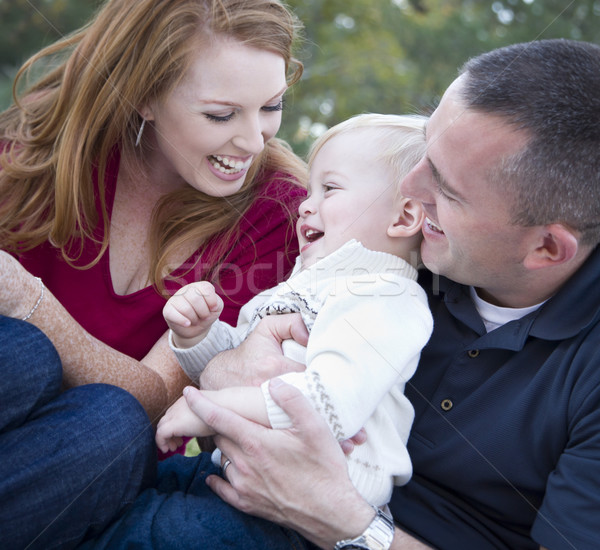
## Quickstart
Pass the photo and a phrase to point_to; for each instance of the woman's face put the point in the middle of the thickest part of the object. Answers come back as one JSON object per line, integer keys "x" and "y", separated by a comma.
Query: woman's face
{"x": 210, "y": 128}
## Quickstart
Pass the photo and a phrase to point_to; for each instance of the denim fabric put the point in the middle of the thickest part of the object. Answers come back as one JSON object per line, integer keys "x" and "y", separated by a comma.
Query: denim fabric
{"x": 70, "y": 461}
{"x": 182, "y": 512}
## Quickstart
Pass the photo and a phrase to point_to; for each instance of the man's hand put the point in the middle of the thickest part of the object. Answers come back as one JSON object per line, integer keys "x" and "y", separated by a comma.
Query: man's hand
{"x": 259, "y": 357}
{"x": 358, "y": 439}
{"x": 296, "y": 477}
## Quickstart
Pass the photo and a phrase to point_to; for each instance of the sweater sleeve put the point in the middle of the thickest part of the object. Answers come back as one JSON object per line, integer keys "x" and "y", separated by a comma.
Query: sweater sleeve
{"x": 366, "y": 339}
{"x": 193, "y": 360}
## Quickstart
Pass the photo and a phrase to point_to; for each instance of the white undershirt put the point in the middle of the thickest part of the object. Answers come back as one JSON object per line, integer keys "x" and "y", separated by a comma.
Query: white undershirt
{"x": 496, "y": 316}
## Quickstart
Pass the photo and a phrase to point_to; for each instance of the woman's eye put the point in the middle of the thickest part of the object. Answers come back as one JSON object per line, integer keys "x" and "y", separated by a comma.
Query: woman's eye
{"x": 217, "y": 118}
{"x": 273, "y": 108}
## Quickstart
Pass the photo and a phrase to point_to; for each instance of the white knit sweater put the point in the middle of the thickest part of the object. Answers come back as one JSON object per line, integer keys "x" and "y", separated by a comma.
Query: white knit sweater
{"x": 368, "y": 321}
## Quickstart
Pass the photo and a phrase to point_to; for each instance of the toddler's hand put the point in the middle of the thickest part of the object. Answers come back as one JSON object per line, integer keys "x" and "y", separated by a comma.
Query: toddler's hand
{"x": 179, "y": 421}
{"x": 191, "y": 311}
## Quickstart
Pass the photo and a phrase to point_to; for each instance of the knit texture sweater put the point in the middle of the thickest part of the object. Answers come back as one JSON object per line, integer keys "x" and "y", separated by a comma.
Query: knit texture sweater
{"x": 368, "y": 319}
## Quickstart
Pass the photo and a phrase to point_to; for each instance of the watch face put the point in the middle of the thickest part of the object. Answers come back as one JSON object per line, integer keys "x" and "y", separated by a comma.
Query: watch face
{"x": 356, "y": 544}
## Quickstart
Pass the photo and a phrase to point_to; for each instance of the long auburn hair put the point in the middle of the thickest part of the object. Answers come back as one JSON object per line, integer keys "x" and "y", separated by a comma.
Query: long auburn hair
{"x": 66, "y": 124}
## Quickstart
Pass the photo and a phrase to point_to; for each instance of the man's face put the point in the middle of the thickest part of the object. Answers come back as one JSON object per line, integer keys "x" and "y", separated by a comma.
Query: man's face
{"x": 468, "y": 235}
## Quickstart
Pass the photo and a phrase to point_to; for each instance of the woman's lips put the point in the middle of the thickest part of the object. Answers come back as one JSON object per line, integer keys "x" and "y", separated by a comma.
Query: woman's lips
{"x": 228, "y": 169}
{"x": 228, "y": 165}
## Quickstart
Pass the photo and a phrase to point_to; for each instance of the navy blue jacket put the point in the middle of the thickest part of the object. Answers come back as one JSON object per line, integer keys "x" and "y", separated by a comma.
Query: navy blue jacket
{"x": 506, "y": 439}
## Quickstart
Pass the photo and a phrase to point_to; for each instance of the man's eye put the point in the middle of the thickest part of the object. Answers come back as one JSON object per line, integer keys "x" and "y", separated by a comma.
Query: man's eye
{"x": 441, "y": 192}
{"x": 216, "y": 118}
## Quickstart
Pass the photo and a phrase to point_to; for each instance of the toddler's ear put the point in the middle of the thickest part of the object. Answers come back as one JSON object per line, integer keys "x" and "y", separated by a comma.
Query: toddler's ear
{"x": 408, "y": 218}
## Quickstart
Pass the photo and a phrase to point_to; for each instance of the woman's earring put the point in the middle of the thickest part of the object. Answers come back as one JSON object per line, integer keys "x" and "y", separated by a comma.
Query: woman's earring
{"x": 139, "y": 136}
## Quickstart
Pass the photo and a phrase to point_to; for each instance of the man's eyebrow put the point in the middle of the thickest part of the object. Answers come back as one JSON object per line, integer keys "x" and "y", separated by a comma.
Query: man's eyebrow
{"x": 438, "y": 178}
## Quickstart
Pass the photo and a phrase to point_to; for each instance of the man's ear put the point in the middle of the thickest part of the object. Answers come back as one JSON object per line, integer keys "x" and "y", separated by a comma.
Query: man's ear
{"x": 408, "y": 218}
{"x": 554, "y": 244}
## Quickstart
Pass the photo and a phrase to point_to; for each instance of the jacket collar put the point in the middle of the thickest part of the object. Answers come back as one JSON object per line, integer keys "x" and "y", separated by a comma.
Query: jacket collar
{"x": 573, "y": 308}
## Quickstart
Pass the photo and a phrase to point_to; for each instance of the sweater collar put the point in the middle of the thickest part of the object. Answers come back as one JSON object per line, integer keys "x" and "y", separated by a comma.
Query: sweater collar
{"x": 354, "y": 259}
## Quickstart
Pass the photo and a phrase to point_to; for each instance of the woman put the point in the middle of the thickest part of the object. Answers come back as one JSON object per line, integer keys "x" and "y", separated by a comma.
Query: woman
{"x": 144, "y": 160}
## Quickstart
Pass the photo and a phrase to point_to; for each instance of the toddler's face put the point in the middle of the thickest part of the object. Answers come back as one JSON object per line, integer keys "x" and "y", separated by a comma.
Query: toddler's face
{"x": 351, "y": 196}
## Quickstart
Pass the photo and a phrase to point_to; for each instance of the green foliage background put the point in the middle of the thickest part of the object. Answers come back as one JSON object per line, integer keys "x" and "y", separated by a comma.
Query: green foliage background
{"x": 389, "y": 56}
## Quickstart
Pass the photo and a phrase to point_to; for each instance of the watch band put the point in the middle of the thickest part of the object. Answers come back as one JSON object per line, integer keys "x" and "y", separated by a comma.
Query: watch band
{"x": 377, "y": 536}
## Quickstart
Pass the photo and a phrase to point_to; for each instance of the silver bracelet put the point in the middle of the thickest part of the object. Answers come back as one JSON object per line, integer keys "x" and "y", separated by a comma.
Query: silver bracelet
{"x": 38, "y": 302}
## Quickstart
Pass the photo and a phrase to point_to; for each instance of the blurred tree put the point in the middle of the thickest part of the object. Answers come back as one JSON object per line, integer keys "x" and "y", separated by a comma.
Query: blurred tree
{"x": 28, "y": 25}
{"x": 400, "y": 55}
{"x": 389, "y": 56}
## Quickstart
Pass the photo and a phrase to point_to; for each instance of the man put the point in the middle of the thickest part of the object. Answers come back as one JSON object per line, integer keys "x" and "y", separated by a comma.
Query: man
{"x": 506, "y": 439}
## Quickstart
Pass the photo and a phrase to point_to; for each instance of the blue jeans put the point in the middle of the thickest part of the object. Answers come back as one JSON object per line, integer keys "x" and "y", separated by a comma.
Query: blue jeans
{"x": 182, "y": 512}
{"x": 69, "y": 461}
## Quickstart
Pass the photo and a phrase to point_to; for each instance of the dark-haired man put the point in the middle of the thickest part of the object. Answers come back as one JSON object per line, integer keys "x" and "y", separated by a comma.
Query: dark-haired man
{"x": 506, "y": 439}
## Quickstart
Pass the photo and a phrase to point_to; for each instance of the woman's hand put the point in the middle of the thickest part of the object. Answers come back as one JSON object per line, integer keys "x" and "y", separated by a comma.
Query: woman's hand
{"x": 296, "y": 477}
{"x": 85, "y": 359}
{"x": 19, "y": 291}
{"x": 259, "y": 357}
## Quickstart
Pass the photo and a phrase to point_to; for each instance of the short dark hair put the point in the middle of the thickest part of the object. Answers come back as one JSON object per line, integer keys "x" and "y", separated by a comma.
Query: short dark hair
{"x": 549, "y": 89}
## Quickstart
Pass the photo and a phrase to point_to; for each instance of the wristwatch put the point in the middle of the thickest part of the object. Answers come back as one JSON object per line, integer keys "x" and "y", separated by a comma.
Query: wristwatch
{"x": 377, "y": 536}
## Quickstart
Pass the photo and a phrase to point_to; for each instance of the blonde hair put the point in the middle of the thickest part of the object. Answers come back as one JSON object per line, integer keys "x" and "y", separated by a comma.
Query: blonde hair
{"x": 400, "y": 139}
{"x": 71, "y": 119}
